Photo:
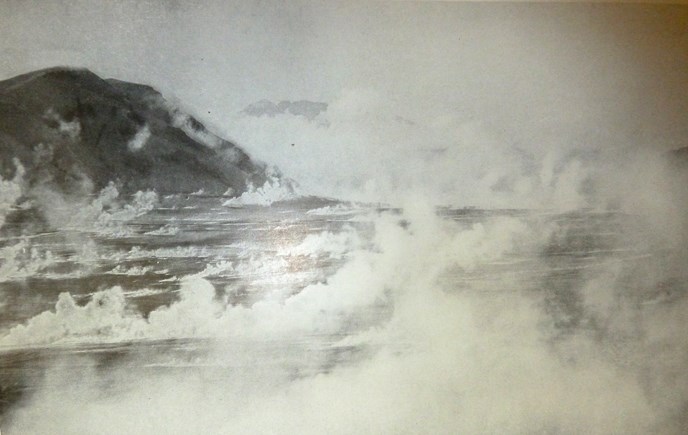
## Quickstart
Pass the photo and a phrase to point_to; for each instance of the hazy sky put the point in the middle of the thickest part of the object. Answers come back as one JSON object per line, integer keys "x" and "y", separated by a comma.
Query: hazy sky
{"x": 539, "y": 78}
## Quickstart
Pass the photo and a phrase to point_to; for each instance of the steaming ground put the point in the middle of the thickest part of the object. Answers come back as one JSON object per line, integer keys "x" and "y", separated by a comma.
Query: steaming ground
{"x": 192, "y": 314}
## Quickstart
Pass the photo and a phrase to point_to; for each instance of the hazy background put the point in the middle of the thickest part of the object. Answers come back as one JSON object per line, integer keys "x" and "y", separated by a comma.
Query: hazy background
{"x": 487, "y": 104}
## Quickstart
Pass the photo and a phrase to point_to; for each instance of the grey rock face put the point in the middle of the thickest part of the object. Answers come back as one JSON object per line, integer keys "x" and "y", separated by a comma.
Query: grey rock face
{"x": 74, "y": 132}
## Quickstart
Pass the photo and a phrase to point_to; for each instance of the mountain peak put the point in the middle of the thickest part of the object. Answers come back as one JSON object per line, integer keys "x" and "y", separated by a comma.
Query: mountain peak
{"x": 60, "y": 73}
{"x": 69, "y": 128}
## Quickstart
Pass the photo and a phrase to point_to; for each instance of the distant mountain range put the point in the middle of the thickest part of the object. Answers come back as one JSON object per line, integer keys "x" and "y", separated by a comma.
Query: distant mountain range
{"x": 74, "y": 132}
{"x": 307, "y": 109}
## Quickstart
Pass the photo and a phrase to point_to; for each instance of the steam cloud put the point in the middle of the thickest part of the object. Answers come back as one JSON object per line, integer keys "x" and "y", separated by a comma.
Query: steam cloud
{"x": 379, "y": 156}
{"x": 442, "y": 357}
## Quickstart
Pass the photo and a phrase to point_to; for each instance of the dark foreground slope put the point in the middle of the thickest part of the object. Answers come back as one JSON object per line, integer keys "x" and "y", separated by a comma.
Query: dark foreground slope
{"x": 74, "y": 132}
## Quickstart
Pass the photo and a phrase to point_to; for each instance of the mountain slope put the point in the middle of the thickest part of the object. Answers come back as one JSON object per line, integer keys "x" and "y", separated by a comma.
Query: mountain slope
{"x": 74, "y": 132}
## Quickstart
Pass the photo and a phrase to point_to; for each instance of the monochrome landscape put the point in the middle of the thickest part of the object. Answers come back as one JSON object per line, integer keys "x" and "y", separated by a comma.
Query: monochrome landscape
{"x": 343, "y": 218}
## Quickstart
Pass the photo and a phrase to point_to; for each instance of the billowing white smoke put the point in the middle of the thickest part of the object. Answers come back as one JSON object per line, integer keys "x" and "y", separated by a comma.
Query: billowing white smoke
{"x": 334, "y": 210}
{"x": 447, "y": 359}
{"x": 273, "y": 190}
{"x": 138, "y": 142}
{"x": 112, "y": 214}
{"x": 334, "y": 245}
{"x": 187, "y": 125}
{"x": 10, "y": 191}
{"x": 105, "y": 214}
{"x": 21, "y": 260}
{"x": 375, "y": 155}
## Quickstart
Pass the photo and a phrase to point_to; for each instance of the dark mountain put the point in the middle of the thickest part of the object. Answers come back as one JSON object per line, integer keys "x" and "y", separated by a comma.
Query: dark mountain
{"x": 74, "y": 132}
{"x": 308, "y": 109}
